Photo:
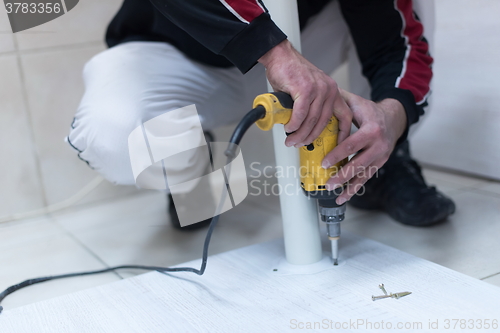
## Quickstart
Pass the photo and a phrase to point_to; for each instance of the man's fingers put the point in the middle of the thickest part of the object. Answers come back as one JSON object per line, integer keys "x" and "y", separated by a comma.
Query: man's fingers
{"x": 349, "y": 146}
{"x": 348, "y": 97}
{"x": 326, "y": 114}
{"x": 356, "y": 166}
{"x": 313, "y": 116}
{"x": 301, "y": 107}
{"x": 344, "y": 115}
{"x": 334, "y": 105}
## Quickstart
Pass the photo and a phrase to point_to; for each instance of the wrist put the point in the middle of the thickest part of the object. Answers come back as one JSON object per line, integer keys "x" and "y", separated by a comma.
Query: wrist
{"x": 396, "y": 114}
{"x": 278, "y": 52}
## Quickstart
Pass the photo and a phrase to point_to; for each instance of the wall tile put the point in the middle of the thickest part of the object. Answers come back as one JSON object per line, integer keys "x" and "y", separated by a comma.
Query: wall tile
{"x": 19, "y": 186}
{"x": 6, "y": 35}
{"x": 55, "y": 86}
{"x": 85, "y": 23}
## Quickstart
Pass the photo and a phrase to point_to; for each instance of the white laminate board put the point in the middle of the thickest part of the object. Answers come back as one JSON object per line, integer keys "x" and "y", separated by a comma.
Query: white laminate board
{"x": 241, "y": 292}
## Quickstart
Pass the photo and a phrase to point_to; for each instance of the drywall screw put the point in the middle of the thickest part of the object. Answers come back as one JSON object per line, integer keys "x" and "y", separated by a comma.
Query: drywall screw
{"x": 391, "y": 295}
{"x": 375, "y": 298}
{"x": 381, "y": 286}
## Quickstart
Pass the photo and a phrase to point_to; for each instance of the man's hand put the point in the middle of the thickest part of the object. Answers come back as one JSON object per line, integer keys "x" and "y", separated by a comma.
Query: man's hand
{"x": 316, "y": 95}
{"x": 380, "y": 126}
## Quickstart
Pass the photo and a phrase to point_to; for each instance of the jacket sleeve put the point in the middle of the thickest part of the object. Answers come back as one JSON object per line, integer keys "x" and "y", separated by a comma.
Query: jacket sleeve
{"x": 240, "y": 30}
{"x": 393, "y": 52}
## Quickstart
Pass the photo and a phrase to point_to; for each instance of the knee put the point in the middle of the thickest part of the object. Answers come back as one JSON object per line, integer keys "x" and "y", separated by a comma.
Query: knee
{"x": 102, "y": 142}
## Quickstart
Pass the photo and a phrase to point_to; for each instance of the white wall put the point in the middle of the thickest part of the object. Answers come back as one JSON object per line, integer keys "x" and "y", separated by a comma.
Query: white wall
{"x": 462, "y": 128}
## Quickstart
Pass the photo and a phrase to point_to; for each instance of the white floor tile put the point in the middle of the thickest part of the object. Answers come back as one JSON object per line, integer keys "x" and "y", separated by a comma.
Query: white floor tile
{"x": 136, "y": 230}
{"x": 107, "y": 191}
{"x": 447, "y": 182}
{"x": 23, "y": 232}
{"x": 36, "y": 248}
{"x": 468, "y": 242}
{"x": 493, "y": 280}
{"x": 493, "y": 187}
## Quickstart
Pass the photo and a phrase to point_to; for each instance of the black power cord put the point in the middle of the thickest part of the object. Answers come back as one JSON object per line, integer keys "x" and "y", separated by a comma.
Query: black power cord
{"x": 239, "y": 131}
{"x": 248, "y": 120}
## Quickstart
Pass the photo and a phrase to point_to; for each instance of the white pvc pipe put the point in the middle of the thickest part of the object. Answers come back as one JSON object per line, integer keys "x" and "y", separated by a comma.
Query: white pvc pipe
{"x": 299, "y": 214}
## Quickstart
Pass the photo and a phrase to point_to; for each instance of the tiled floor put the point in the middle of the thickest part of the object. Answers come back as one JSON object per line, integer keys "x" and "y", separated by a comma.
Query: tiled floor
{"x": 134, "y": 229}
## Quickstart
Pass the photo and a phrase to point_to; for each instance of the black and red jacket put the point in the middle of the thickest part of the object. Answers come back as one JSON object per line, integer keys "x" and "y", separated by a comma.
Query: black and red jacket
{"x": 223, "y": 33}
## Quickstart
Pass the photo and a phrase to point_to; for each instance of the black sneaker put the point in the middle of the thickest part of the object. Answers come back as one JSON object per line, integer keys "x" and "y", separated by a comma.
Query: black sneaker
{"x": 400, "y": 190}
{"x": 174, "y": 218}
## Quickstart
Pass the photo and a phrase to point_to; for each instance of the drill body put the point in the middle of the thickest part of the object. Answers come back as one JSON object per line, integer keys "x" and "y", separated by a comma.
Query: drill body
{"x": 278, "y": 110}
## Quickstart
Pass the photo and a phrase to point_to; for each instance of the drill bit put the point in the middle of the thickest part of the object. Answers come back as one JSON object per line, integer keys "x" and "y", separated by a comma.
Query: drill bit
{"x": 335, "y": 250}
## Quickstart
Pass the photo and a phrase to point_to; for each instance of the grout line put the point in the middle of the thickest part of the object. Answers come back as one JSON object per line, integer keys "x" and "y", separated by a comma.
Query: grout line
{"x": 363, "y": 215}
{"x": 6, "y": 54}
{"x": 75, "y": 46}
{"x": 103, "y": 202}
{"x": 29, "y": 119}
{"x": 475, "y": 190}
{"x": 485, "y": 192}
{"x": 454, "y": 191}
{"x": 456, "y": 172}
{"x": 456, "y": 186}
{"x": 489, "y": 276}
{"x": 77, "y": 240}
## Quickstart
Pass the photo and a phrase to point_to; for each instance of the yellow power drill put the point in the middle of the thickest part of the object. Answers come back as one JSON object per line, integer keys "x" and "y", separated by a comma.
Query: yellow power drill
{"x": 276, "y": 108}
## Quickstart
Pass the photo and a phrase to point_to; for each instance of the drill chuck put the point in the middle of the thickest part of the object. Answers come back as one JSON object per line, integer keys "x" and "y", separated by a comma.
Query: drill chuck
{"x": 333, "y": 214}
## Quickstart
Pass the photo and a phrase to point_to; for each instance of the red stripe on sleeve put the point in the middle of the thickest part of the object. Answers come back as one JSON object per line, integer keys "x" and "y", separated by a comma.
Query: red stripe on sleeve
{"x": 248, "y": 9}
{"x": 417, "y": 73}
